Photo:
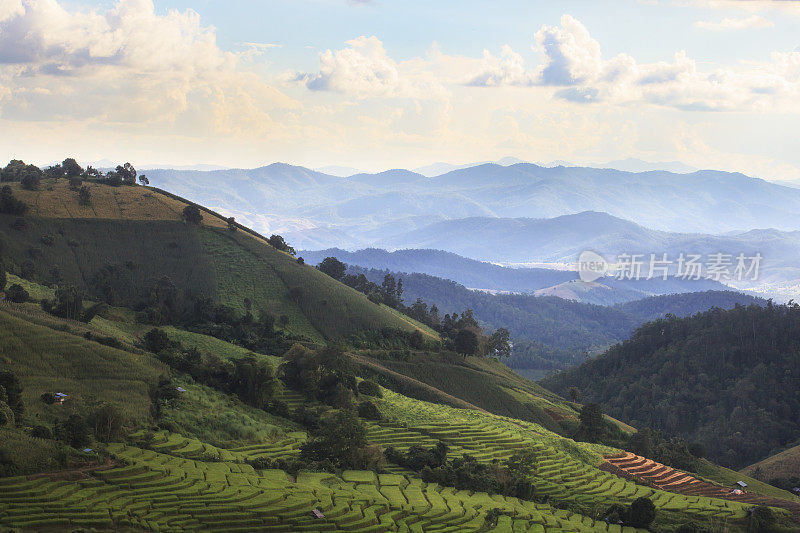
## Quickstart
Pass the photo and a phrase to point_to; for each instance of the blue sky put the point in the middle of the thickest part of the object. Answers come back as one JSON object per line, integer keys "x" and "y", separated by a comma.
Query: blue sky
{"x": 380, "y": 84}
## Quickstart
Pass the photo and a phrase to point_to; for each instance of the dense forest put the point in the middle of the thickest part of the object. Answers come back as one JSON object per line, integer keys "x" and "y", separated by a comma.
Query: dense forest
{"x": 727, "y": 379}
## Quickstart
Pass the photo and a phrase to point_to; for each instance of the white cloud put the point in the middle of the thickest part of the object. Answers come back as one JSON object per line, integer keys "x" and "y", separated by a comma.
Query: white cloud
{"x": 573, "y": 55}
{"x": 728, "y": 24}
{"x": 365, "y": 70}
{"x": 574, "y": 62}
{"x": 508, "y": 69}
{"x": 125, "y": 65}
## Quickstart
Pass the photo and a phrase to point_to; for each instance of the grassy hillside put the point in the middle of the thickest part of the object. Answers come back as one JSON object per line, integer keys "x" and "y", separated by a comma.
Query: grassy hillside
{"x": 785, "y": 464}
{"x": 47, "y": 360}
{"x": 140, "y": 231}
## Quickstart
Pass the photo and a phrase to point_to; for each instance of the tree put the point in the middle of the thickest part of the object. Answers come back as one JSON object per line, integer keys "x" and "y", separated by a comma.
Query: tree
{"x": 339, "y": 439}
{"x": 31, "y": 179}
{"x": 232, "y": 224}
{"x": 74, "y": 432}
{"x": 574, "y": 394}
{"x": 332, "y": 267}
{"x": 592, "y": 424}
{"x": 127, "y": 174}
{"x": 156, "y": 340}
{"x": 15, "y": 293}
{"x": 68, "y": 302}
{"x": 466, "y": 342}
{"x": 75, "y": 183}
{"x": 71, "y": 168}
{"x": 277, "y": 242}
{"x": 641, "y": 513}
{"x": 10, "y": 205}
{"x": 106, "y": 422}
{"x": 84, "y": 196}
{"x": 499, "y": 344}
{"x": 143, "y": 180}
{"x": 192, "y": 215}
{"x": 13, "y": 392}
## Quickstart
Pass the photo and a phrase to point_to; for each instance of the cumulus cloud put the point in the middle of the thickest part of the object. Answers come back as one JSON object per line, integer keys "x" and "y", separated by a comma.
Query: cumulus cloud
{"x": 574, "y": 64}
{"x": 508, "y": 69}
{"x": 365, "y": 70}
{"x": 125, "y": 64}
{"x": 728, "y": 24}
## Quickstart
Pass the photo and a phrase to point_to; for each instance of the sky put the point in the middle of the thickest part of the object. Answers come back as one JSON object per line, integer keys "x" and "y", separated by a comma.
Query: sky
{"x": 402, "y": 83}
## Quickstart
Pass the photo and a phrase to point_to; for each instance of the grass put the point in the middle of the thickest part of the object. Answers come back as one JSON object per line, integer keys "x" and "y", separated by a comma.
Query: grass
{"x": 140, "y": 230}
{"x": 36, "y": 291}
{"x": 783, "y": 464}
{"x": 163, "y": 490}
{"x": 219, "y": 419}
{"x": 728, "y": 478}
{"x": 46, "y": 360}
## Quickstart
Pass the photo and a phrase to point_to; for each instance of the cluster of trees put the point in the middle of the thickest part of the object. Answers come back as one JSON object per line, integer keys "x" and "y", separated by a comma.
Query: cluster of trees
{"x": 461, "y": 334}
{"x": 30, "y": 176}
{"x": 68, "y": 303}
{"x": 511, "y": 478}
{"x": 674, "y": 452}
{"x": 640, "y": 514}
{"x": 326, "y": 375}
{"x": 250, "y": 378}
{"x": 11, "y": 405}
{"x": 742, "y": 366}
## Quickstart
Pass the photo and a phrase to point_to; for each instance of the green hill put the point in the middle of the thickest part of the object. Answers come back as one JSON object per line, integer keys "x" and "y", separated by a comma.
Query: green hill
{"x": 139, "y": 231}
{"x": 728, "y": 379}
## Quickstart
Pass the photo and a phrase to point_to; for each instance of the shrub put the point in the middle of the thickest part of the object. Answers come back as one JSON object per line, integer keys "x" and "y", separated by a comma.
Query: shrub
{"x": 17, "y": 294}
{"x": 74, "y": 432}
{"x": 156, "y": 340}
{"x": 369, "y": 411}
{"x": 641, "y": 513}
{"x": 41, "y": 432}
{"x": 10, "y": 385}
{"x": 84, "y": 196}
{"x": 369, "y": 388}
{"x": 48, "y": 397}
{"x": 761, "y": 519}
{"x": 192, "y": 215}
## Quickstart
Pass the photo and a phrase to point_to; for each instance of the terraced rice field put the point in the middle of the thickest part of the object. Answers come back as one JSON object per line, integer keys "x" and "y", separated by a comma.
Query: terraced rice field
{"x": 166, "y": 491}
{"x": 669, "y": 479}
{"x": 566, "y": 471}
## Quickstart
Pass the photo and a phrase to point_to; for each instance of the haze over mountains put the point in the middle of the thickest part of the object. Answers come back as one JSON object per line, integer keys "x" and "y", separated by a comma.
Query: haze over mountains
{"x": 520, "y": 213}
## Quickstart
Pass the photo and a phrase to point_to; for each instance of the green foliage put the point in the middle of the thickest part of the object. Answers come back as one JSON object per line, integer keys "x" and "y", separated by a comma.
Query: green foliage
{"x": 10, "y": 205}
{"x": 74, "y": 431}
{"x": 192, "y": 215}
{"x": 641, "y": 513}
{"x": 84, "y": 196}
{"x": 742, "y": 366}
{"x": 342, "y": 440}
{"x": 68, "y": 303}
{"x": 369, "y": 411}
{"x": 17, "y": 294}
{"x": 12, "y": 389}
{"x": 761, "y": 519}
{"x": 466, "y": 342}
{"x": 592, "y": 426}
{"x": 332, "y": 267}
{"x": 277, "y": 242}
{"x": 106, "y": 422}
{"x": 369, "y": 388}
{"x": 325, "y": 375}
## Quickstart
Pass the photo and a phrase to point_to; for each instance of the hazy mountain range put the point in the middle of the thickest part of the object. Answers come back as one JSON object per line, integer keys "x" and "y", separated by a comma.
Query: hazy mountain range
{"x": 516, "y": 213}
{"x": 494, "y": 278}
